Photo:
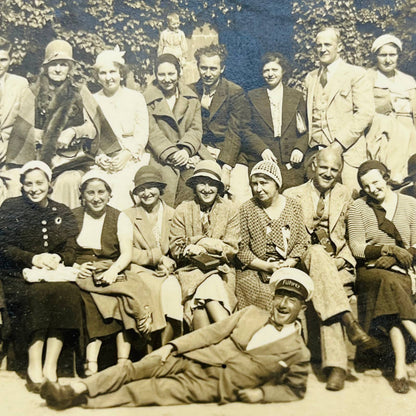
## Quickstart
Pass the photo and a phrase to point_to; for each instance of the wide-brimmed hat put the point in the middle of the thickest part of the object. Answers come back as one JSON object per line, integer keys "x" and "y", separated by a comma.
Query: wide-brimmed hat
{"x": 292, "y": 280}
{"x": 207, "y": 169}
{"x": 37, "y": 164}
{"x": 384, "y": 40}
{"x": 96, "y": 174}
{"x": 411, "y": 169}
{"x": 147, "y": 175}
{"x": 268, "y": 168}
{"x": 58, "y": 49}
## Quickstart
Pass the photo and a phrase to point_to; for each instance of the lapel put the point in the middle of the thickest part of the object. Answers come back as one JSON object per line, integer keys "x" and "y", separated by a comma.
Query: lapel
{"x": 336, "y": 204}
{"x": 142, "y": 226}
{"x": 166, "y": 224}
{"x": 219, "y": 97}
{"x": 7, "y": 96}
{"x": 337, "y": 81}
{"x": 305, "y": 198}
{"x": 289, "y": 106}
{"x": 180, "y": 108}
{"x": 313, "y": 79}
{"x": 261, "y": 103}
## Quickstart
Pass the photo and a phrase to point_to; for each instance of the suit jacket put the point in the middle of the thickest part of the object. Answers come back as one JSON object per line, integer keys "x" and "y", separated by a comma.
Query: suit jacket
{"x": 350, "y": 109}
{"x": 260, "y": 135}
{"x": 339, "y": 202}
{"x": 223, "y": 344}
{"x": 224, "y": 125}
{"x": 10, "y": 100}
{"x": 146, "y": 251}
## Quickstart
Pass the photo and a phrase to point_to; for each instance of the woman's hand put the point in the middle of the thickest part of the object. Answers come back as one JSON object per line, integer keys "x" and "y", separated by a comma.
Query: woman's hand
{"x": 120, "y": 161}
{"x": 103, "y": 161}
{"x": 276, "y": 265}
{"x": 385, "y": 262}
{"x": 180, "y": 158}
{"x": 65, "y": 138}
{"x": 86, "y": 270}
{"x": 46, "y": 261}
{"x": 193, "y": 250}
{"x": 166, "y": 266}
{"x": 109, "y": 276}
{"x": 404, "y": 258}
{"x": 211, "y": 245}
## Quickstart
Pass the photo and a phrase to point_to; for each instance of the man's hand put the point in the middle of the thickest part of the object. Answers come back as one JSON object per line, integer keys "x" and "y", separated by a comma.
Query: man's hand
{"x": 163, "y": 352}
{"x": 268, "y": 155}
{"x": 103, "y": 161}
{"x": 250, "y": 395}
{"x": 65, "y": 138}
{"x": 296, "y": 157}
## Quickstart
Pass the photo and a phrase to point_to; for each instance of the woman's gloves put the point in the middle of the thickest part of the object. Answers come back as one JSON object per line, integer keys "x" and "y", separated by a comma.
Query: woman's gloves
{"x": 46, "y": 261}
{"x": 404, "y": 258}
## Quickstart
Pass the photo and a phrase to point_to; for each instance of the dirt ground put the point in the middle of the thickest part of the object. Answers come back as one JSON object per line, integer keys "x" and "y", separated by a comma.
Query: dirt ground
{"x": 363, "y": 395}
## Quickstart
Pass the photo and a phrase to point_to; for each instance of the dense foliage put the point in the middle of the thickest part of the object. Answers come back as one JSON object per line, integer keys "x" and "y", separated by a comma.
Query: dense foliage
{"x": 360, "y": 21}
{"x": 92, "y": 25}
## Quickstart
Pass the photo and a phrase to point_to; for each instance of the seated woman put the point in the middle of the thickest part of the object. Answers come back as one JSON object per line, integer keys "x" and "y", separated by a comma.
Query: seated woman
{"x": 58, "y": 123}
{"x": 278, "y": 122}
{"x": 152, "y": 219}
{"x": 382, "y": 236}
{"x": 273, "y": 235}
{"x": 175, "y": 131}
{"x": 392, "y": 137}
{"x": 126, "y": 112}
{"x": 37, "y": 232}
{"x": 208, "y": 224}
{"x": 113, "y": 302}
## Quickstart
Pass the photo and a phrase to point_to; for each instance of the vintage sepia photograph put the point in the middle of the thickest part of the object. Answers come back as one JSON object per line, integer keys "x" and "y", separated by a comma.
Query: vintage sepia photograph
{"x": 208, "y": 207}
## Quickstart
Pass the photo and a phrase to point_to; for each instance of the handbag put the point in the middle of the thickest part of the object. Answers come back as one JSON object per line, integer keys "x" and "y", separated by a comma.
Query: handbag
{"x": 206, "y": 262}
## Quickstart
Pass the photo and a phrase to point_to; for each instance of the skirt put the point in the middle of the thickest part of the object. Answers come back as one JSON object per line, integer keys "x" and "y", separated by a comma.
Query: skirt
{"x": 42, "y": 306}
{"x": 250, "y": 290}
{"x": 383, "y": 295}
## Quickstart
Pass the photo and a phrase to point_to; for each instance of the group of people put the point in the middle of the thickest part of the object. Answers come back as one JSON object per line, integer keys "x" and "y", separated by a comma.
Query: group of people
{"x": 205, "y": 210}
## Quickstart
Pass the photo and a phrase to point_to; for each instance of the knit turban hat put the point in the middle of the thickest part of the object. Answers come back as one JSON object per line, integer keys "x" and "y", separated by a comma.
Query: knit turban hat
{"x": 268, "y": 168}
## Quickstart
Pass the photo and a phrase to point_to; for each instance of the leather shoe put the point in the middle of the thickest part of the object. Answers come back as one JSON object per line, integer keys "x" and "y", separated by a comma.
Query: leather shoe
{"x": 60, "y": 397}
{"x": 32, "y": 386}
{"x": 401, "y": 385}
{"x": 359, "y": 337}
{"x": 336, "y": 379}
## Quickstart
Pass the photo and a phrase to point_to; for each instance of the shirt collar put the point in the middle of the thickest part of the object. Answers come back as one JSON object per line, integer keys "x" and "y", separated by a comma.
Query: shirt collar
{"x": 332, "y": 67}
{"x": 276, "y": 91}
{"x": 212, "y": 90}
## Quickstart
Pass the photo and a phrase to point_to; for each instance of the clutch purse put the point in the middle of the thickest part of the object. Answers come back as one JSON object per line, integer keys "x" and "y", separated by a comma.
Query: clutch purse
{"x": 205, "y": 262}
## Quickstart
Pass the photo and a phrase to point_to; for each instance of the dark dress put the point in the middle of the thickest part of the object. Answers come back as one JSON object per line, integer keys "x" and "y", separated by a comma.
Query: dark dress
{"x": 27, "y": 229}
{"x": 384, "y": 296}
{"x": 96, "y": 325}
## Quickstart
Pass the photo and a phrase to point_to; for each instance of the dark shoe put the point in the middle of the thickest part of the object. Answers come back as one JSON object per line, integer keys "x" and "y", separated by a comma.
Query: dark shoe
{"x": 336, "y": 379}
{"x": 60, "y": 397}
{"x": 400, "y": 385}
{"x": 359, "y": 337}
{"x": 32, "y": 386}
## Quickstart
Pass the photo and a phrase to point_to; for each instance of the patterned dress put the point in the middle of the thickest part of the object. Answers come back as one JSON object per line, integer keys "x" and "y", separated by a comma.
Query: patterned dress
{"x": 265, "y": 238}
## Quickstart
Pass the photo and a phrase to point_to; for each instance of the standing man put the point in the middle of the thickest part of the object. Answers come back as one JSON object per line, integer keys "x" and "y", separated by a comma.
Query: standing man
{"x": 330, "y": 262}
{"x": 340, "y": 105}
{"x": 11, "y": 90}
{"x": 224, "y": 111}
{"x": 252, "y": 356}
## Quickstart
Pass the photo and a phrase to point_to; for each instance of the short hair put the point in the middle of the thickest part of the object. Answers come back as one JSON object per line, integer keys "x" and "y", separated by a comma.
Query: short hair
{"x": 277, "y": 56}
{"x": 23, "y": 176}
{"x": 172, "y": 16}
{"x": 368, "y": 165}
{"x": 212, "y": 50}
{"x": 213, "y": 182}
{"x": 336, "y": 30}
{"x": 157, "y": 185}
{"x": 5, "y": 45}
{"x": 170, "y": 59}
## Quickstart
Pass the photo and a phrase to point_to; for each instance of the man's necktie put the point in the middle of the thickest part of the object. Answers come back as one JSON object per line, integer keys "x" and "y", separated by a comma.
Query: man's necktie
{"x": 323, "y": 79}
{"x": 205, "y": 222}
{"x": 321, "y": 206}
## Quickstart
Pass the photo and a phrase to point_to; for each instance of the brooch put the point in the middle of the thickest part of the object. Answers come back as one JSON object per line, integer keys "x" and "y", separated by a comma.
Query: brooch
{"x": 58, "y": 220}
